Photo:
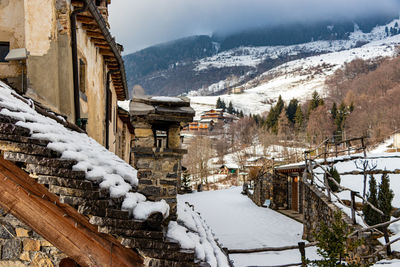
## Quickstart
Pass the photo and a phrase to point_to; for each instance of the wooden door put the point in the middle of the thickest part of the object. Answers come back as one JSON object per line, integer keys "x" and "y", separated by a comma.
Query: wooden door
{"x": 295, "y": 193}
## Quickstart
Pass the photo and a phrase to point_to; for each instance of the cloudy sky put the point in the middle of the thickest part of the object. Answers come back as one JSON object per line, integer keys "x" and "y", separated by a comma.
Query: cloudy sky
{"x": 141, "y": 23}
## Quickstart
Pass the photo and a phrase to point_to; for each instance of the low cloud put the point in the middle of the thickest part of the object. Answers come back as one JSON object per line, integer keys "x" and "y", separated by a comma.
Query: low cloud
{"x": 138, "y": 24}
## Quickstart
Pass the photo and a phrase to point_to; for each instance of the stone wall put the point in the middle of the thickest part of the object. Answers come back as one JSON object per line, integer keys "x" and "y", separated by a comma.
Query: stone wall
{"x": 262, "y": 190}
{"x": 318, "y": 209}
{"x": 279, "y": 192}
{"x": 21, "y": 246}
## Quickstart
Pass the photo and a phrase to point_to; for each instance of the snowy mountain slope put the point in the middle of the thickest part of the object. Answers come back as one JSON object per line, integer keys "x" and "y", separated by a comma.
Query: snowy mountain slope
{"x": 252, "y": 56}
{"x": 298, "y": 78}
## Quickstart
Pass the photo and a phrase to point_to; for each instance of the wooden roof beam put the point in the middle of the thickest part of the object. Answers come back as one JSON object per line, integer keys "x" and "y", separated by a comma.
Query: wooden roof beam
{"x": 34, "y": 205}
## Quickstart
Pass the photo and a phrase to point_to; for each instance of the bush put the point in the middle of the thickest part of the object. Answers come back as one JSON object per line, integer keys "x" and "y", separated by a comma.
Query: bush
{"x": 333, "y": 173}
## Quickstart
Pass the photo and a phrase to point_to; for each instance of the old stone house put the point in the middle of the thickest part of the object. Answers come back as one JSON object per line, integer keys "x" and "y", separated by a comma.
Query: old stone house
{"x": 63, "y": 56}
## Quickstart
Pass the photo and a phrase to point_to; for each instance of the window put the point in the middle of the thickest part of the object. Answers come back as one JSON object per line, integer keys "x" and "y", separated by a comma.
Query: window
{"x": 82, "y": 76}
{"x": 4, "y": 49}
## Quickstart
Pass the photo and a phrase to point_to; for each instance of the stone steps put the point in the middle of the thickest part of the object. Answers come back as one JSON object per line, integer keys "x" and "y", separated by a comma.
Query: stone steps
{"x": 65, "y": 182}
{"x": 132, "y": 233}
{"x": 38, "y": 160}
{"x": 144, "y": 244}
{"x": 53, "y": 171}
{"x": 117, "y": 223}
{"x": 163, "y": 263}
{"x": 28, "y": 148}
{"x": 179, "y": 256}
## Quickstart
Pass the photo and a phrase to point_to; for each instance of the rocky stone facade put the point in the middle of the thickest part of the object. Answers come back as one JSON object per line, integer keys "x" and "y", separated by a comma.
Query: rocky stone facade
{"x": 21, "y": 246}
{"x": 158, "y": 175}
{"x": 158, "y": 163}
{"x": 318, "y": 209}
{"x": 262, "y": 189}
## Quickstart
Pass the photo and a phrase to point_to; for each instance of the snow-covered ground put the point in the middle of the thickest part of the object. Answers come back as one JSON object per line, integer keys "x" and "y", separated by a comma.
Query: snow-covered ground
{"x": 239, "y": 224}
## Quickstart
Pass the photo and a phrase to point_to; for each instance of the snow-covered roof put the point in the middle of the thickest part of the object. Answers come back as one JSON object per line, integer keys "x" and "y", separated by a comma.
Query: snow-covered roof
{"x": 99, "y": 164}
{"x": 167, "y": 99}
{"x": 124, "y": 105}
{"x": 192, "y": 232}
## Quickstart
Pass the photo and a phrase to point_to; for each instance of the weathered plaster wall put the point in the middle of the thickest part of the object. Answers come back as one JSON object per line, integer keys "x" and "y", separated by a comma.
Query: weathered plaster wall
{"x": 49, "y": 65}
{"x": 40, "y": 26}
{"x": 96, "y": 91}
{"x": 12, "y": 29}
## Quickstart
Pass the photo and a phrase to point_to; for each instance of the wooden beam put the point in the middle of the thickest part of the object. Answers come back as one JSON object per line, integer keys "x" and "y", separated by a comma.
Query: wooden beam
{"x": 106, "y": 52}
{"x": 94, "y": 34}
{"x": 91, "y": 27}
{"x": 98, "y": 40}
{"x": 77, "y": 3}
{"x": 86, "y": 20}
{"x": 103, "y": 47}
{"x": 59, "y": 223}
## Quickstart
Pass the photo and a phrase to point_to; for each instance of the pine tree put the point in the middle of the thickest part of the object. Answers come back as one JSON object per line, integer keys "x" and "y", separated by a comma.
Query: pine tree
{"x": 298, "y": 119}
{"x": 336, "y": 176}
{"x": 334, "y": 111}
{"x": 219, "y": 103}
{"x": 230, "y": 108}
{"x": 241, "y": 115}
{"x": 340, "y": 119}
{"x": 315, "y": 102}
{"x": 223, "y": 105}
{"x": 291, "y": 110}
{"x": 385, "y": 197}
{"x": 273, "y": 116}
{"x": 371, "y": 216}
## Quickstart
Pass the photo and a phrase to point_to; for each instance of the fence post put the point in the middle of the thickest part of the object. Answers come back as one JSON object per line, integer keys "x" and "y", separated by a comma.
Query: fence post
{"x": 302, "y": 249}
{"x": 328, "y": 188}
{"x": 353, "y": 207}
{"x": 363, "y": 147}
{"x": 387, "y": 240}
{"x": 348, "y": 147}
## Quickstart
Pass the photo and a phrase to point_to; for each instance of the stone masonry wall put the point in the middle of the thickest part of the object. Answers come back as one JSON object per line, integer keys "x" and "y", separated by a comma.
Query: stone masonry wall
{"x": 279, "y": 192}
{"x": 317, "y": 209}
{"x": 262, "y": 190}
{"x": 20, "y": 246}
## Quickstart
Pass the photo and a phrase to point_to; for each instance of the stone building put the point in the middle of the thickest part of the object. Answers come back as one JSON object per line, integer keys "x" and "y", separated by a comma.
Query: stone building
{"x": 159, "y": 167}
{"x": 61, "y": 54}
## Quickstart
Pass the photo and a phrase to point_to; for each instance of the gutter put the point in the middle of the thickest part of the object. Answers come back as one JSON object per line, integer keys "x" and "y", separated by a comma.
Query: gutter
{"x": 75, "y": 62}
{"x": 94, "y": 11}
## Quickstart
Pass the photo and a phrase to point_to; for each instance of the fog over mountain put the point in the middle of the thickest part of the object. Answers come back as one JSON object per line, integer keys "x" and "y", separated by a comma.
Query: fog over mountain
{"x": 139, "y": 24}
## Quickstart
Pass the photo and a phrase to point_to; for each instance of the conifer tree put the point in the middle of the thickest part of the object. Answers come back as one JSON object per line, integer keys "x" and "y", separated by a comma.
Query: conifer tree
{"x": 230, "y": 108}
{"x": 334, "y": 111}
{"x": 219, "y": 103}
{"x": 273, "y": 116}
{"x": 371, "y": 216}
{"x": 335, "y": 175}
{"x": 316, "y": 101}
{"x": 241, "y": 115}
{"x": 385, "y": 197}
{"x": 298, "y": 118}
{"x": 223, "y": 105}
{"x": 291, "y": 110}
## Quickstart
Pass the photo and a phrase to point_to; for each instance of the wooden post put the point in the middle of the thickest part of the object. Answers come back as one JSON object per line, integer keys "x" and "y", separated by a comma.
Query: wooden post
{"x": 348, "y": 147}
{"x": 353, "y": 207}
{"x": 328, "y": 189}
{"x": 302, "y": 249}
{"x": 336, "y": 153}
{"x": 363, "y": 147}
{"x": 387, "y": 240}
{"x": 326, "y": 144}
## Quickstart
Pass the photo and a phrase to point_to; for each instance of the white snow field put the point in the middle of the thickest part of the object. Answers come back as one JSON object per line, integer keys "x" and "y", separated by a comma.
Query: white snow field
{"x": 239, "y": 224}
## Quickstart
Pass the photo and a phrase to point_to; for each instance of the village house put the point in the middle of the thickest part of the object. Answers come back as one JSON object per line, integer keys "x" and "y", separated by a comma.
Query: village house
{"x": 69, "y": 193}
{"x": 62, "y": 55}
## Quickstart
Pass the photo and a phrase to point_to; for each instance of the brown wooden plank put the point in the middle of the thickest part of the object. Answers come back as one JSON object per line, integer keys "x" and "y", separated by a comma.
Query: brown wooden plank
{"x": 58, "y": 223}
{"x": 106, "y": 52}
